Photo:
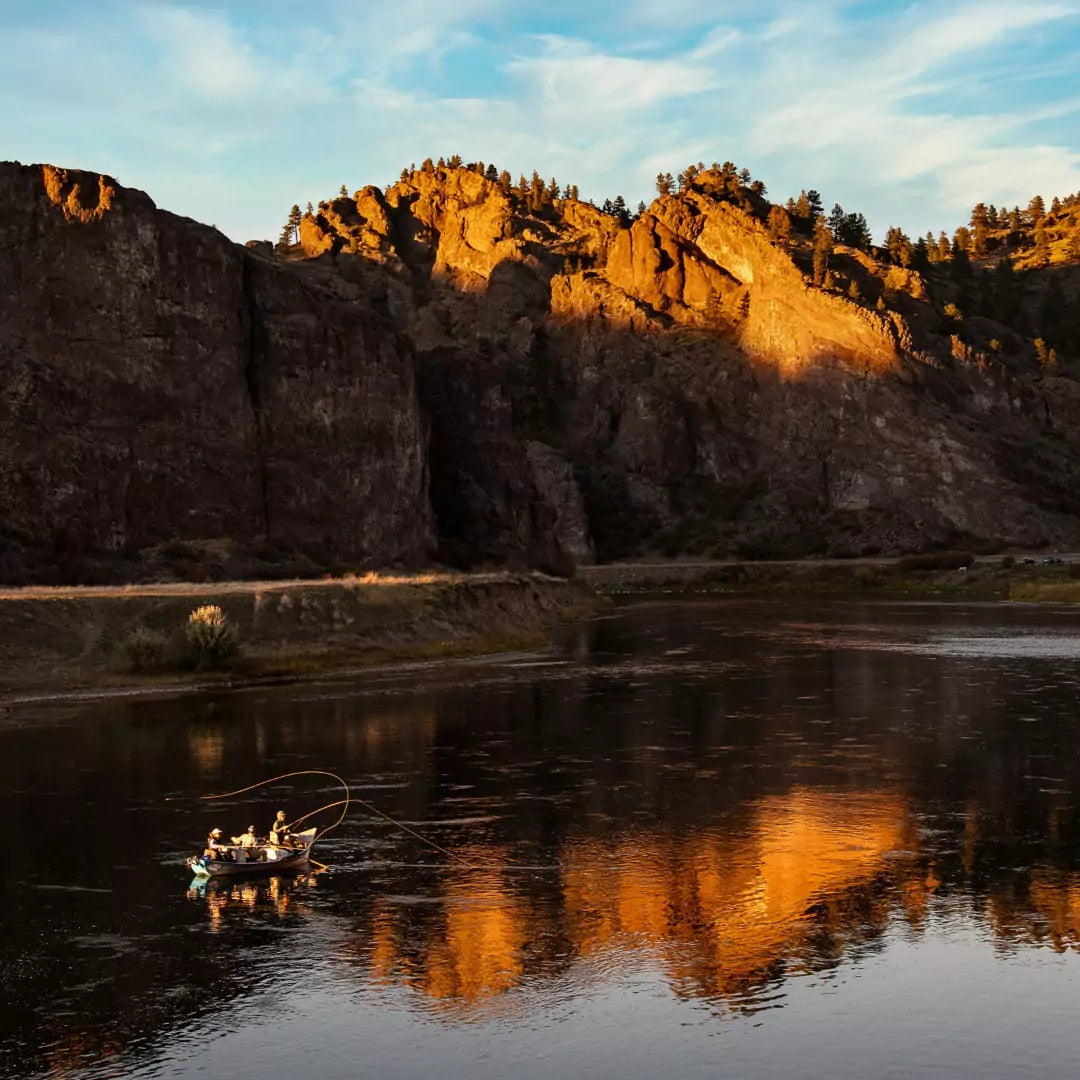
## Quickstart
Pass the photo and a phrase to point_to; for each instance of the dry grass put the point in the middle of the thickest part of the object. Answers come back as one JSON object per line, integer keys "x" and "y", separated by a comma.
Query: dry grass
{"x": 1046, "y": 592}
{"x": 225, "y": 588}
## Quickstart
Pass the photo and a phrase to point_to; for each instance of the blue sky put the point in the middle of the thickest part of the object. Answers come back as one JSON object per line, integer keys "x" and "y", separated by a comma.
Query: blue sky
{"x": 230, "y": 112}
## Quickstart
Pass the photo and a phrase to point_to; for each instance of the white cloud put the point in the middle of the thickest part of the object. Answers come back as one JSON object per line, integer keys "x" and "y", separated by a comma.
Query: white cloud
{"x": 258, "y": 116}
{"x": 571, "y": 79}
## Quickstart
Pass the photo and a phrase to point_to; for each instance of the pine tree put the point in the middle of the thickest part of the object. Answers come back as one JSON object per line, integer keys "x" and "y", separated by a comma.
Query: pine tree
{"x": 664, "y": 184}
{"x": 835, "y": 221}
{"x": 505, "y": 182}
{"x": 292, "y": 223}
{"x": 779, "y": 225}
{"x": 621, "y": 211}
{"x": 823, "y": 248}
{"x": 454, "y": 162}
{"x": 428, "y": 166}
{"x": 641, "y": 208}
{"x": 1046, "y": 357}
{"x": 574, "y": 192}
{"x": 687, "y": 177}
{"x": 284, "y": 240}
{"x": 491, "y": 173}
{"x": 552, "y": 192}
{"x": 309, "y": 209}
{"x": 816, "y": 205}
{"x": 343, "y": 192}
{"x": 1036, "y": 210}
{"x": 898, "y": 246}
{"x": 920, "y": 256}
{"x": 1042, "y": 247}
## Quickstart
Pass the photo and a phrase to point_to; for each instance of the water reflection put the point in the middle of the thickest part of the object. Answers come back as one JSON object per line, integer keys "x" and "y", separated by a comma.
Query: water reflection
{"x": 276, "y": 900}
{"x": 721, "y": 799}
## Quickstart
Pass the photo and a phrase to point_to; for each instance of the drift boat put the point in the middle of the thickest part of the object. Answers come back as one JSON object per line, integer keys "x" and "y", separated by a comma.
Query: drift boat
{"x": 252, "y": 862}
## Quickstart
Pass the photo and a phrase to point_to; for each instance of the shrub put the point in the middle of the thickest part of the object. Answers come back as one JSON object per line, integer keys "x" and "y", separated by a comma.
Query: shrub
{"x": 142, "y": 649}
{"x": 211, "y": 637}
{"x": 1008, "y": 562}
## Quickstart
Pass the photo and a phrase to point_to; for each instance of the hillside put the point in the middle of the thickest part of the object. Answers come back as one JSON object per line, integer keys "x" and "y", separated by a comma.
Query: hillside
{"x": 462, "y": 369}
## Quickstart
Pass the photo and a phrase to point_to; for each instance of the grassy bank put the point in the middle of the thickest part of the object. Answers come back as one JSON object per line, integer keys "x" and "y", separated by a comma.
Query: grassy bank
{"x": 982, "y": 580}
{"x": 72, "y": 639}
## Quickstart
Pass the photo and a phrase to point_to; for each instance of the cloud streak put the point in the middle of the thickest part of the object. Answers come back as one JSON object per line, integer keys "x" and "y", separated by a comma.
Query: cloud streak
{"x": 230, "y": 115}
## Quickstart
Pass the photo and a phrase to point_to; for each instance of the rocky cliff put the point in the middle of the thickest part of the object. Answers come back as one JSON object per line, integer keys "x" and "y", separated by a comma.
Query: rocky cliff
{"x": 451, "y": 366}
{"x": 699, "y": 389}
{"x": 161, "y": 383}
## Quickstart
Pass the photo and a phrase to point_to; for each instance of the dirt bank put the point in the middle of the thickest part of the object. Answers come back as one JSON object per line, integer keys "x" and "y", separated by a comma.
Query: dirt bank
{"x": 985, "y": 578}
{"x": 71, "y": 639}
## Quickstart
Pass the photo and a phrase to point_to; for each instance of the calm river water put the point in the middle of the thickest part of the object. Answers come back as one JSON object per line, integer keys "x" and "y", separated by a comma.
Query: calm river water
{"x": 711, "y": 838}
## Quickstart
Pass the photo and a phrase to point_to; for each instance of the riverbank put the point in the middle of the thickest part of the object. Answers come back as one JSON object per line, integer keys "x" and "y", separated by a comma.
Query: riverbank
{"x": 69, "y": 640}
{"x": 990, "y": 578}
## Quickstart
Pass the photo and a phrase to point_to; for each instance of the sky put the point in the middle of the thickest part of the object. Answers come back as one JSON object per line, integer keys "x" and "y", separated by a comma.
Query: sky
{"x": 230, "y": 112}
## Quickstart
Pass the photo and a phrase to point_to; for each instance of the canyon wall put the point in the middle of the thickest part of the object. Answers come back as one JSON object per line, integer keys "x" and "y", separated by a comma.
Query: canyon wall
{"x": 161, "y": 382}
{"x": 443, "y": 370}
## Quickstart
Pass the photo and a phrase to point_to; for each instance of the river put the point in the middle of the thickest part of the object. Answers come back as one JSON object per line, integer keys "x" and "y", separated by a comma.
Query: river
{"x": 751, "y": 838}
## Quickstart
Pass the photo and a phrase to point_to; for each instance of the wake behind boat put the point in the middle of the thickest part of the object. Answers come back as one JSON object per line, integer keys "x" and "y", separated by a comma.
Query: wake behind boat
{"x": 254, "y": 861}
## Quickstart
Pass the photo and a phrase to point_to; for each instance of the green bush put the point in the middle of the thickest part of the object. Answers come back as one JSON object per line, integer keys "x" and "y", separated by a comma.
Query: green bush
{"x": 211, "y": 638}
{"x": 142, "y": 649}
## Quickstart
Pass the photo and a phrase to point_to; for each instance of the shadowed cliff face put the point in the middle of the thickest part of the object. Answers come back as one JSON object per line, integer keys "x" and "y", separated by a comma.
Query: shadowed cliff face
{"x": 159, "y": 381}
{"x": 445, "y": 364}
{"x": 702, "y": 392}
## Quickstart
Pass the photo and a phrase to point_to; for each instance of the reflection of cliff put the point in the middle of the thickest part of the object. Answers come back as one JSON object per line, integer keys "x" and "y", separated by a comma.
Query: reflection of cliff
{"x": 721, "y": 910}
{"x": 742, "y": 902}
{"x": 476, "y": 952}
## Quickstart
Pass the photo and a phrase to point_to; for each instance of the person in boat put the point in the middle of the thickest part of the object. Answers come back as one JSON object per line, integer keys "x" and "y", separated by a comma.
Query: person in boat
{"x": 216, "y": 848}
{"x": 248, "y": 839}
{"x": 279, "y": 831}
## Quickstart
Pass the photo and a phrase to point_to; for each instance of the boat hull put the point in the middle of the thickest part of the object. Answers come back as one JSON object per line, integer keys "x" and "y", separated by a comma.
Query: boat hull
{"x": 266, "y": 861}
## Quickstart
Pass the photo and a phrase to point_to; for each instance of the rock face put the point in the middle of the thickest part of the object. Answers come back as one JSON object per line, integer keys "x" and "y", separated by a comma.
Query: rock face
{"x": 452, "y": 366}
{"x": 704, "y": 394}
{"x": 161, "y": 382}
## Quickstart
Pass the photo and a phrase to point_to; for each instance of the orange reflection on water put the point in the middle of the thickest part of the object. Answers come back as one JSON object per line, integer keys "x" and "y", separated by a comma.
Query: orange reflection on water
{"x": 719, "y": 909}
{"x": 736, "y": 903}
{"x": 471, "y": 951}
{"x": 1042, "y": 909}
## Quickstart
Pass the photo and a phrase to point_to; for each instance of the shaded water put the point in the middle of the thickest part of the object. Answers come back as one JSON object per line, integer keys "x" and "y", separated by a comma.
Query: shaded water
{"x": 714, "y": 837}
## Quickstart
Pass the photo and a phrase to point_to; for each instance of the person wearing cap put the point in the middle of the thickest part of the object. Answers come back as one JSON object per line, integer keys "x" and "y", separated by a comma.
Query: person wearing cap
{"x": 215, "y": 848}
{"x": 279, "y": 831}
{"x": 248, "y": 839}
